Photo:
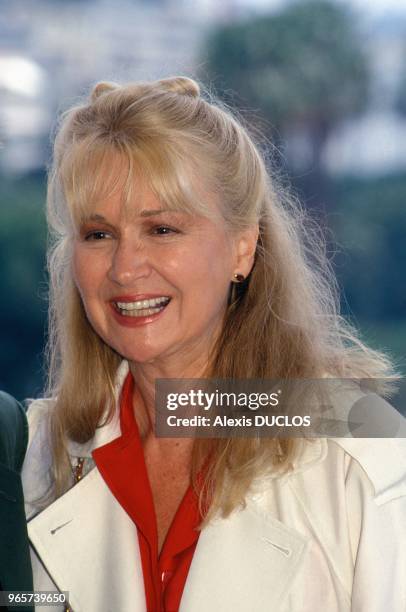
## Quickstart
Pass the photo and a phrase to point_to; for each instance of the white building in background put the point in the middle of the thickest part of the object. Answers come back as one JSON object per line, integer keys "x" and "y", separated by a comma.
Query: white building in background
{"x": 69, "y": 45}
{"x": 25, "y": 113}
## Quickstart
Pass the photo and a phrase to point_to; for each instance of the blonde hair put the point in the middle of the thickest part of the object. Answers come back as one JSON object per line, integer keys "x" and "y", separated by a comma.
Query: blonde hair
{"x": 285, "y": 317}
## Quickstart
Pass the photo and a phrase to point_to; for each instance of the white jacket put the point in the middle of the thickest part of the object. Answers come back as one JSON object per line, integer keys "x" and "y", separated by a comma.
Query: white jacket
{"x": 329, "y": 537}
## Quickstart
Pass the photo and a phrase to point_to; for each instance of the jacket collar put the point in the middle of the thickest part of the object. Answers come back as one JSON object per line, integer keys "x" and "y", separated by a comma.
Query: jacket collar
{"x": 247, "y": 562}
{"x": 87, "y": 533}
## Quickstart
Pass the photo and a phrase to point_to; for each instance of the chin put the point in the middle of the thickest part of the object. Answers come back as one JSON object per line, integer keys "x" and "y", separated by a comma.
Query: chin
{"x": 140, "y": 356}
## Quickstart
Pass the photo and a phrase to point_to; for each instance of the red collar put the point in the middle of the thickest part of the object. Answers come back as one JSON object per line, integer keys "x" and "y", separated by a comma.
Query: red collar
{"x": 122, "y": 466}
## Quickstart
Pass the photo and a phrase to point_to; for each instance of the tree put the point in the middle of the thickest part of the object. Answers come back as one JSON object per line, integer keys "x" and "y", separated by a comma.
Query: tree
{"x": 23, "y": 284}
{"x": 303, "y": 68}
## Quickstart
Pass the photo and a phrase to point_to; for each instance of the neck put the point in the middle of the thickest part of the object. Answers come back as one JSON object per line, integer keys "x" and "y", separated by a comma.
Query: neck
{"x": 144, "y": 389}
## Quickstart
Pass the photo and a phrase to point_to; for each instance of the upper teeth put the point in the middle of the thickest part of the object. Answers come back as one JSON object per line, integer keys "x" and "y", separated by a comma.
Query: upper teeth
{"x": 141, "y": 304}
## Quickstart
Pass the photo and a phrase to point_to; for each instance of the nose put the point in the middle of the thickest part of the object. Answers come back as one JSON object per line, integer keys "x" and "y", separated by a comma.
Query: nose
{"x": 130, "y": 262}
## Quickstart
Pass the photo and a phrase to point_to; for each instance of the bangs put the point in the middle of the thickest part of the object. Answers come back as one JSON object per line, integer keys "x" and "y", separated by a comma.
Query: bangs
{"x": 92, "y": 171}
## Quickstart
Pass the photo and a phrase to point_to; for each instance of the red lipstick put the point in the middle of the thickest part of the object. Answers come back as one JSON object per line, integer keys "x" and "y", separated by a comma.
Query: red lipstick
{"x": 133, "y": 321}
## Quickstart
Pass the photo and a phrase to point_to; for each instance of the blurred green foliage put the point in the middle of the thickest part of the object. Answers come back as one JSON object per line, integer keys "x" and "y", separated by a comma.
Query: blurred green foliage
{"x": 369, "y": 229}
{"x": 370, "y": 223}
{"x": 303, "y": 63}
{"x": 389, "y": 336}
{"x": 302, "y": 67}
{"x": 22, "y": 269}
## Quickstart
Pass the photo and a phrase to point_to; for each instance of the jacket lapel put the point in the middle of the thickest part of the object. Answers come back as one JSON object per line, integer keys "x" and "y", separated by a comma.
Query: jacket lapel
{"x": 84, "y": 538}
{"x": 249, "y": 560}
{"x": 245, "y": 562}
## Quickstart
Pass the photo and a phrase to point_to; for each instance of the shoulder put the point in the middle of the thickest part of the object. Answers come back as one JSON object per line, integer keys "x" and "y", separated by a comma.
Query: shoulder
{"x": 374, "y": 447}
{"x": 38, "y": 413}
{"x": 374, "y": 517}
{"x": 38, "y": 418}
{"x": 333, "y": 476}
{"x": 380, "y": 461}
{"x": 13, "y": 432}
{"x": 377, "y": 464}
{"x": 351, "y": 504}
{"x": 37, "y": 467}
{"x": 11, "y": 412}
{"x": 355, "y": 486}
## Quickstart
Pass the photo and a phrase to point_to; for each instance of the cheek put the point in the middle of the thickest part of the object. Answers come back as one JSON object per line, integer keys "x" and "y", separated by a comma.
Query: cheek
{"x": 204, "y": 277}
{"x": 86, "y": 273}
{"x": 79, "y": 272}
{"x": 199, "y": 268}
{"x": 214, "y": 262}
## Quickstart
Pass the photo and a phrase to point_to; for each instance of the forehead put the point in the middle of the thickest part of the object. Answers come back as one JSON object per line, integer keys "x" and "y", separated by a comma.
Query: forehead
{"x": 143, "y": 203}
{"x": 121, "y": 183}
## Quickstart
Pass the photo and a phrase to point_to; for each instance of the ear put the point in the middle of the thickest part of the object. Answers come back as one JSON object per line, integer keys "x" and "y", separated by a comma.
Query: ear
{"x": 245, "y": 247}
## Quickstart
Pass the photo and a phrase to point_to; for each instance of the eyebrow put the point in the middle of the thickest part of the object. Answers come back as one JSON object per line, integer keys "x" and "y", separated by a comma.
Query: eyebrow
{"x": 158, "y": 211}
{"x": 143, "y": 213}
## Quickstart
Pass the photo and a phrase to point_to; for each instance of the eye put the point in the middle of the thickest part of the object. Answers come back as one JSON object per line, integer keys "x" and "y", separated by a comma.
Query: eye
{"x": 163, "y": 230}
{"x": 96, "y": 235}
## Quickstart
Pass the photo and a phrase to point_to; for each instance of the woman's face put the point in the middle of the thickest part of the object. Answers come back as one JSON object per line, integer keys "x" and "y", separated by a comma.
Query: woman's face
{"x": 154, "y": 282}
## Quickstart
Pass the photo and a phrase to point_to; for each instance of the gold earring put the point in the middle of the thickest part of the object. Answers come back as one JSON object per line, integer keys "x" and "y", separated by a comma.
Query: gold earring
{"x": 234, "y": 292}
{"x": 239, "y": 278}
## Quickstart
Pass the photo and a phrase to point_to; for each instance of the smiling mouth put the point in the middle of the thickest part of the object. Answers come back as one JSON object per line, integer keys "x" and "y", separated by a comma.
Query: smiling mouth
{"x": 142, "y": 308}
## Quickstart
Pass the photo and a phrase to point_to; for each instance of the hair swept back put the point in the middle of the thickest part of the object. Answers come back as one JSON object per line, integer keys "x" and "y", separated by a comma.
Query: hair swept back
{"x": 286, "y": 319}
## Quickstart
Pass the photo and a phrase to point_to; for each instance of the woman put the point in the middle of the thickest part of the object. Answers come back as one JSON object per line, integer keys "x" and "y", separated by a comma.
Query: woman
{"x": 175, "y": 256}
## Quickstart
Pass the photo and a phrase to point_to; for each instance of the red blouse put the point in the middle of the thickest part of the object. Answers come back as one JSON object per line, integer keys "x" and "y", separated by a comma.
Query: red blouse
{"x": 122, "y": 466}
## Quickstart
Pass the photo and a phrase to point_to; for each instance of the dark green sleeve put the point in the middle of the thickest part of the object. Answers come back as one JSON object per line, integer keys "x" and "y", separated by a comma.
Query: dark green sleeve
{"x": 15, "y": 565}
{"x": 13, "y": 432}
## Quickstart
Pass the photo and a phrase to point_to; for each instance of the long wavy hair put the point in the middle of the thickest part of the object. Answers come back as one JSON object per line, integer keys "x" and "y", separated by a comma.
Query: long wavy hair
{"x": 284, "y": 323}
